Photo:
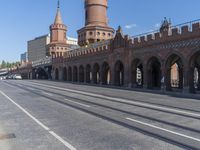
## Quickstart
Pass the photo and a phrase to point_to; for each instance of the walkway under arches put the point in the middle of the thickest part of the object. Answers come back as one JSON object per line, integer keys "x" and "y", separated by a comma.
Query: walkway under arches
{"x": 119, "y": 73}
{"x": 96, "y": 74}
{"x": 194, "y": 73}
{"x": 137, "y": 75}
{"x": 174, "y": 73}
{"x": 64, "y": 74}
{"x": 56, "y": 74}
{"x": 75, "y": 74}
{"x": 88, "y": 74}
{"x": 154, "y": 73}
{"x": 81, "y": 74}
{"x": 106, "y": 73}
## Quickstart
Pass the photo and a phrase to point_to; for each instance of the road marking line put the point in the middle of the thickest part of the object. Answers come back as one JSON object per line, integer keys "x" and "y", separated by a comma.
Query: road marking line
{"x": 124, "y": 100}
{"x": 78, "y": 103}
{"x": 26, "y": 112}
{"x": 61, "y": 140}
{"x": 40, "y": 123}
{"x": 32, "y": 89}
{"x": 163, "y": 129}
{"x": 49, "y": 94}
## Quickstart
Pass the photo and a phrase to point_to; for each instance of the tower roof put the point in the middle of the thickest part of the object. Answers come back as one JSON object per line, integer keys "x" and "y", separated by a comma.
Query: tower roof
{"x": 58, "y": 18}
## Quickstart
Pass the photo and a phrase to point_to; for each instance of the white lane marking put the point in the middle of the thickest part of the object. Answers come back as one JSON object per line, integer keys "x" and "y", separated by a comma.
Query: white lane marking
{"x": 163, "y": 129}
{"x": 49, "y": 94}
{"x": 78, "y": 103}
{"x": 63, "y": 141}
{"x": 143, "y": 104}
{"x": 26, "y": 112}
{"x": 40, "y": 123}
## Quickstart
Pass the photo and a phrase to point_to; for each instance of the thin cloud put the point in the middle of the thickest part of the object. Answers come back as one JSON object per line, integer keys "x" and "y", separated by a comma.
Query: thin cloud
{"x": 157, "y": 25}
{"x": 130, "y": 26}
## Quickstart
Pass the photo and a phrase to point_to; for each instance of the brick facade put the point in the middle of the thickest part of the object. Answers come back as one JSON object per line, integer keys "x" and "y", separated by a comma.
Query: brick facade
{"x": 120, "y": 58}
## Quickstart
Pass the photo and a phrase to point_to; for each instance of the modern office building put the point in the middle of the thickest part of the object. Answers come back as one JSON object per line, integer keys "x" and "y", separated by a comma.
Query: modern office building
{"x": 37, "y": 48}
{"x": 24, "y": 57}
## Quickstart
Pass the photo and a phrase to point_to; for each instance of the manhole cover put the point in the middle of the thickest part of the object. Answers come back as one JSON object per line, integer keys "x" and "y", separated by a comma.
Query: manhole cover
{"x": 7, "y": 136}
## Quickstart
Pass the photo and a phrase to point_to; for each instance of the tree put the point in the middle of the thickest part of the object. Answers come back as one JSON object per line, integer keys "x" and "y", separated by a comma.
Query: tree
{"x": 3, "y": 64}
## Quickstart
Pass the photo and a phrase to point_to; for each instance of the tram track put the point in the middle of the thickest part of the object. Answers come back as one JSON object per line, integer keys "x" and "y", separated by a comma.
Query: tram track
{"x": 109, "y": 109}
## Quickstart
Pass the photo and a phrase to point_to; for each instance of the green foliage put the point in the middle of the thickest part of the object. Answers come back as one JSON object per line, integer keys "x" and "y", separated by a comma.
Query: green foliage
{"x": 5, "y": 64}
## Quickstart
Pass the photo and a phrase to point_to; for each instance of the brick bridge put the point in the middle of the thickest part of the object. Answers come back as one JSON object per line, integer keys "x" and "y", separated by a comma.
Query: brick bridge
{"x": 145, "y": 61}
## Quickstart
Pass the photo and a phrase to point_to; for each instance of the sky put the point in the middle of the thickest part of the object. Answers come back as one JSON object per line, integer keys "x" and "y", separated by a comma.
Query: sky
{"x": 23, "y": 20}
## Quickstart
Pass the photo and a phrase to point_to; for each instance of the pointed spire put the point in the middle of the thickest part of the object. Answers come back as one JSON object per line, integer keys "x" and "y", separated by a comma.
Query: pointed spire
{"x": 58, "y": 19}
{"x": 58, "y": 4}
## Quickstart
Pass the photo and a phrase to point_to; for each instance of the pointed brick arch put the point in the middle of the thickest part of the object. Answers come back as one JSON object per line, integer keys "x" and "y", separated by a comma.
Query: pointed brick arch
{"x": 172, "y": 60}
{"x": 106, "y": 73}
{"x": 194, "y": 72}
{"x": 96, "y": 73}
{"x": 137, "y": 73}
{"x": 154, "y": 73}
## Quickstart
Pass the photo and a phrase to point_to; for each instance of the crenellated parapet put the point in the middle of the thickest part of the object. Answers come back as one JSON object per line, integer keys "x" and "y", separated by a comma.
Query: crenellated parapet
{"x": 184, "y": 31}
{"x": 90, "y": 49}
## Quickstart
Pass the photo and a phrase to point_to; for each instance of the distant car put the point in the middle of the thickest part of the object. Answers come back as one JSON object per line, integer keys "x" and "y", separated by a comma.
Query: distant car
{"x": 8, "y": 77}
{"x": 17, "y": 77}
{"x": 4, "y": 77}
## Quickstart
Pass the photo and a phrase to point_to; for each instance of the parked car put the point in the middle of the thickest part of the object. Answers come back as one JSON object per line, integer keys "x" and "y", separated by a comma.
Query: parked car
{"x": 17, "y": 77}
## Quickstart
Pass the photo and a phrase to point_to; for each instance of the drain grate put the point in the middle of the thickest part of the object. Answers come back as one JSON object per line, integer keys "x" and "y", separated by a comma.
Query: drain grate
{"x": 7, "y": 136}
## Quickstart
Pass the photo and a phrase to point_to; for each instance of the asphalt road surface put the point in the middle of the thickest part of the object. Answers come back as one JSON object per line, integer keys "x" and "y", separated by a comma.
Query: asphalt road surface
{"x": 47, "y": 115}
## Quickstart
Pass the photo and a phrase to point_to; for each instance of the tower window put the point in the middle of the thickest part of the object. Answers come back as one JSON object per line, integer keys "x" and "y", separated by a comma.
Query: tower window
{"x": 64, "y": 35}
{"x": 91, "y": 33}
{"x": 104, "y": 34}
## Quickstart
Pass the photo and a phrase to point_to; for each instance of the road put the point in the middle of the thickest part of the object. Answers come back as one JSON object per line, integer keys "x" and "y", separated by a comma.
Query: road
{"x": 47, "y": 115}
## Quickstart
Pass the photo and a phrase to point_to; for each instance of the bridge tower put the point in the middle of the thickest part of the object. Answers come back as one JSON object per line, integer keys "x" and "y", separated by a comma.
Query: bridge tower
{"x": 58, "y": 40}
{"x": 96, "y": 23}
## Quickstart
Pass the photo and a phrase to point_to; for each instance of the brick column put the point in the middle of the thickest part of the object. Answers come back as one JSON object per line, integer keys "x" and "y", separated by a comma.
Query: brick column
{"x": 168, "y": 79}
{"x": 112, "y": 75}
{"x": 145, "y": 77}
{"x": 163, "y": 78}
{"x": 186, "y": 79}
{"x": 198, "y": 82}
{"x": 60, "y": 74}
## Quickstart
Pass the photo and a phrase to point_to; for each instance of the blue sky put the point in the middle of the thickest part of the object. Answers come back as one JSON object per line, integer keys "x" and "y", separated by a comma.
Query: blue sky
{"x": 23, "y": 20}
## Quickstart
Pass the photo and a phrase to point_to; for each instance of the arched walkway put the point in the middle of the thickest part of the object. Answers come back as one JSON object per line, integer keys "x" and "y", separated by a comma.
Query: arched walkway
{"x": 194, "y": 73}
{"x": 154, "y": 73}
{"x": 105, "y": 73}
{"x": 56, "y": 74}
{"x": 41, "y": 74}
{"x": 88, "y": 74}
{"x": 81, "y": 74}
{"x": 69, "y": 74}
{"x": 137, "y": 77}
{"x": 174, "y": 73}
{"x": 75, "y": 74}
{"x": 64, "y": 74}
{"x": 119, "y": 73}
{"x": 96, "y": 74}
